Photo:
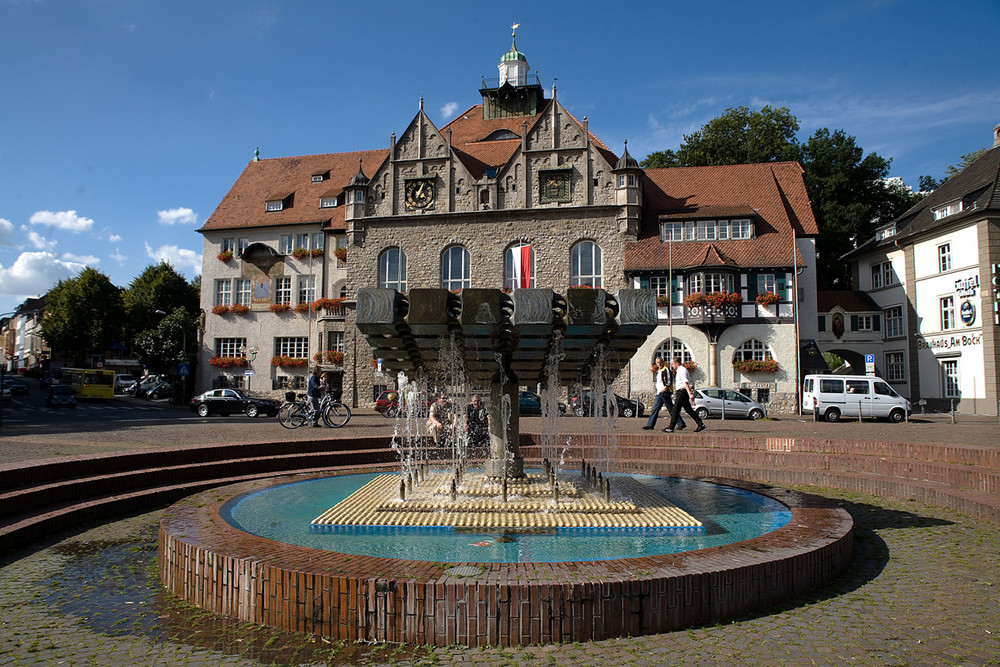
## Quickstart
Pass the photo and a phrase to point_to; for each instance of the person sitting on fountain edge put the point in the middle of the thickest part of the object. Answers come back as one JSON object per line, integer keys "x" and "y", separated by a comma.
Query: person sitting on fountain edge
{"x": 664, "y": 381}
{"x": 682, "y": 397}
{"x": 440, "y": 419}
{"x": 477, "y": 423}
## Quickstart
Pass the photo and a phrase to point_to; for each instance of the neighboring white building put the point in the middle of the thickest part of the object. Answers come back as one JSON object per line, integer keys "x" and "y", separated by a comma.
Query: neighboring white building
{"x": 934, "y": 273}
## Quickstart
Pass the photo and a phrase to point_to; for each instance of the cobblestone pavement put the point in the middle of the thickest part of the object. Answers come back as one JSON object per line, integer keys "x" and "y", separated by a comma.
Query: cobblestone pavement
{"x": 924, "y": 588}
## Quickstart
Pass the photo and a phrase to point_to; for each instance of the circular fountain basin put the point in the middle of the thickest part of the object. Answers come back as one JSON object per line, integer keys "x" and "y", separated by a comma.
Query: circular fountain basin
{"x": 727, "y": 514}
{"x": 475, "y": 601}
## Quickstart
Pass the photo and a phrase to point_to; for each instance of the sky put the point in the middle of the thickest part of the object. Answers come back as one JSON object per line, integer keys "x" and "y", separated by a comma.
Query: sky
{"x": 123, "y": 123}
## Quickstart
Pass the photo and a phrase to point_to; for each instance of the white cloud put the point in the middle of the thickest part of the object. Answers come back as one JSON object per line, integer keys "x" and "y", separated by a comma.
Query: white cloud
{"x": 177, "y": 257}
{"x": 114, "y": 238}
{"x": 89, "y": 260}
{"x": 34, "y": 273}
{"x": 40, "y": 242}
{"x": 6, "y": 232}
{"x": 177, "y": 216}
{"x": 448, "y": 110}
{"x": 118, "y": 256}
{"x": 67, "y": 220}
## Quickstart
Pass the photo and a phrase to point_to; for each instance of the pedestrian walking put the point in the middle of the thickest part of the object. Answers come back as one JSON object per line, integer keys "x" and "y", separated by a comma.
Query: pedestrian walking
{"x": 683, "y": 396}
{"x": 663, "y": 380}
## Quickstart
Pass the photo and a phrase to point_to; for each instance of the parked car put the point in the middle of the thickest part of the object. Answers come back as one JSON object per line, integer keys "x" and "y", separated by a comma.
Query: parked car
{"x": 141, "y": 388}
{"x": 18, "y": 386}
{"x": 123, "y": 381}
{"x": 46, "y": 380}
{"x": 226, "y": 402}
{"x": 60, "y": 396}
{"x": 711, "y": 401}
{"x": 625, "y": 407}
{"x": 856, "y": 396}
{"x": 530, "y": 404}
{"x": 161, "y": 390}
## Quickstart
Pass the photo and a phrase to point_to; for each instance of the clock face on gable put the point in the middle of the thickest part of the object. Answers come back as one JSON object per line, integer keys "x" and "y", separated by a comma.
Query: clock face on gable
{"x": 419, "y": 193}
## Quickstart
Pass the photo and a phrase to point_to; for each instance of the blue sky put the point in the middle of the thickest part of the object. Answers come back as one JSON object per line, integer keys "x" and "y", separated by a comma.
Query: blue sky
{"x": 124, "y": 122}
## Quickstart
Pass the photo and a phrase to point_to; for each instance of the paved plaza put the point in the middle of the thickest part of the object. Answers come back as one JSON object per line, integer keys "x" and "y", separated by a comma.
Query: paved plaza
{"x": 924, "y": 587}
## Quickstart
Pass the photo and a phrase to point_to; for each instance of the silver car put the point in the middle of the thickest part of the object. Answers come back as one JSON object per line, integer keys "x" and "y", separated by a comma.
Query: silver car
{"x": 712, "y": 401}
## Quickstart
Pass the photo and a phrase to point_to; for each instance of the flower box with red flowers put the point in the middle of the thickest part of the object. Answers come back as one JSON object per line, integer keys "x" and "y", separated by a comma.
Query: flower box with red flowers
{"x": 327, "y": 304}
{"x": 302, "y": 307}
{"x": 278, "y": 308}
{"x": 239, "y": 309}
{"x": 285, "y": 361}
{"x": 317, "y": 252}
{"x": 329, "y": 357}
{"x": 767, "y": 299}
{"x": 341, "y": 254}
{"x": 228, "y": 362}
{"x": 300, "y": 253}
{"x": 755, "y": 366}
{"x": 220, "y": 309}
{"x": 225, "y": 256}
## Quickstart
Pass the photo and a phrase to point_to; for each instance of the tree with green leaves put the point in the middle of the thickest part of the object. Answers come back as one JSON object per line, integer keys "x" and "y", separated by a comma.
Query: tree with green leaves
{"x": 83, "y": 316}
{"x": 171, "y": 341}
{"x": 928, "y": 183}
{"x": 158, "y": 288}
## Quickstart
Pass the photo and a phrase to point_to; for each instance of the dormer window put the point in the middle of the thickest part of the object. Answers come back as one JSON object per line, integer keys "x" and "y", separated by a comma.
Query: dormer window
{"x": 497, "y": 135}
{"x": 706, "y": 230}
{"x": 275, "y": 205}
{"x": 951, "y": 208}
{"x": 328, "y": 202}
{"x": 319, "y": 178}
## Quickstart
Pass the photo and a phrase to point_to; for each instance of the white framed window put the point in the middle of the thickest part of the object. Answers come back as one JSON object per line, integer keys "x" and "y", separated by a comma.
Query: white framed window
{"x": 283, "y": 290}
{"x": 944, "y": 257}
{"x": 947, "y": 313}
{"x": 718, "y": 282}
{"x": 723, "y": 230}
{"x": 318, "y": 178}
{"x": 753, "y": 350}
{"x": 895, "y": 366}
{"x": 301, "y": 241}
{"x": 865, "y": 323}
{"x": 689, "y": 231}
{"x": 519, "y": 266}
{"x": 951, "y": 208}
{"x": 893, "y": 322}
{"x": 392, "y": 269}
{"x": 586, "y": 265}
{"x": 241, "y": 246}
{"x": 285, "y": 245}
{"x": 223, "y": 292}
{"x": 672, "y": 231}
{"x": 297, "y": 347}
{"x": 455, "y": 268}
{"x": 949, "y": 374}
{"x": 318, "y": 240}
{"x": 335, "y": 341}
{"x": 230, "y": 347}
{"x": 766, "y": 282}
{"x": 704, "y": 230}
{"x": 741, "y": 229}
{"x": 694, "y": 283}
{"x": 307, "y": 289}
{"x": 328, "y": 202}
{"x": 241, "y": 291}
{"x": 671, "y": 348}
{"x": 228, "y": 245}
{"x": 275, "y": 205}
{"x": 621, "y": 180}
{"x": 661, "y": 285}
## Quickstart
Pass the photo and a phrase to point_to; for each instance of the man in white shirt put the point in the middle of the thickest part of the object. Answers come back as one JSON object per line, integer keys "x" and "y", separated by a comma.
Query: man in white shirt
{"x": 683, "y": 397}
{"x": 662, "y": 381}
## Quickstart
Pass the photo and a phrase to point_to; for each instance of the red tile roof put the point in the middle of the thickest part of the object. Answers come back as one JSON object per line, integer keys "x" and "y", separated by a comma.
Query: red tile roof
{"x": 277, "y": 178}
{"x": 851, "y": 301}
{"x": 773, "y": 192}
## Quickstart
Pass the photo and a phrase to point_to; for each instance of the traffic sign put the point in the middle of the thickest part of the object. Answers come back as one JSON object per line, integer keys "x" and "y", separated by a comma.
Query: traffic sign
{"x": 869, "y": 364}
{"x": 183, "y": 369}
{"x": 248, "y": 372}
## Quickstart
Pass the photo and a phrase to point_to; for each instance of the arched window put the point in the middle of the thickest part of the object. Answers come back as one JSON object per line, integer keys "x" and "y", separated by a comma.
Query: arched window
{"x": 519, "y": 266}
{"x": 752, "y": 350}
{"x": 671, "y": 348}
{"x": 586, "y": 266}
{"x": 392, "y": 269}
{"x": 455, "y": 268}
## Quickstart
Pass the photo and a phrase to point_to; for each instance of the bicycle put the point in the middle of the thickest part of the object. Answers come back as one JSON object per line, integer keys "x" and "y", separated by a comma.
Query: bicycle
{"x": 297, "y": 411}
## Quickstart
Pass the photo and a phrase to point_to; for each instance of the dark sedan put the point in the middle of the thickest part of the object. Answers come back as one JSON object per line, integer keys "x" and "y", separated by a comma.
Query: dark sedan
{"x": 624, "y": 407}
{"x": 226, "y": 402}
{"x": 530, "y": 404}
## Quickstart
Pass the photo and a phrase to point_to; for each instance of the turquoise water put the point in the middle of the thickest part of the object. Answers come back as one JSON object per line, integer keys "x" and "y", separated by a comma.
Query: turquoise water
{"x": 284, "y": 514}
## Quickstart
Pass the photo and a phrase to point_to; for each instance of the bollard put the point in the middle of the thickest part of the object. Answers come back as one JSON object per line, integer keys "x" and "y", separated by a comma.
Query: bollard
{"x": 607, "y": 490}
{"x": 503, "y": 488}
{"x": 555, "y": 493}
{"x": 859, "y": 412}
{"x": 402, "y": 489}
{"x": 454, "y": 491}
{"x": 953, "y": 411}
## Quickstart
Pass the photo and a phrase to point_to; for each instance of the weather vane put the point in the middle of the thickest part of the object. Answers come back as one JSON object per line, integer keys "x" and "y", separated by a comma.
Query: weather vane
{"x": 513, "y": 29}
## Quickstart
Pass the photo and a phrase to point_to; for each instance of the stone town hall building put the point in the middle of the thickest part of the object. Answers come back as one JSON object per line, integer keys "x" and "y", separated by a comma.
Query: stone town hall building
{"x": 514, "y": 192}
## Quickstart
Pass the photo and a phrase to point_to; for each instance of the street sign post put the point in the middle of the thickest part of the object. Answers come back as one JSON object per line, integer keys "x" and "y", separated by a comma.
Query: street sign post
{"x": 869, "y": 364}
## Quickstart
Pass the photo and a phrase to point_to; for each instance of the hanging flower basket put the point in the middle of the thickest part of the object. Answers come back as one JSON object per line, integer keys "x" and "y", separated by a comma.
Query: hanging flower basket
{"x": 327, "y": 304}
{"x": 228, "y": 362}
{"x": 300, "y": 253}
{"x": 755, "y": 366}
{"x": 341, "y": 254}
{"x": 329, "y": 357}
{"x": 278, "y": 307}
{"x": 220, "y": 309}
{"x": 285, "y": 361}
{"x": 767, "y": 299}
{"x": 317, "y": 252}
{"x": 225, "y": 256}
{"x": 302, "y": 307}
{"x": 239, "y": 309}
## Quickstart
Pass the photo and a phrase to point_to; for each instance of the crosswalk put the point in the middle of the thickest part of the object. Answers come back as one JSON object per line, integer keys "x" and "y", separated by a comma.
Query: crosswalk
{"x": 14, "y": 411}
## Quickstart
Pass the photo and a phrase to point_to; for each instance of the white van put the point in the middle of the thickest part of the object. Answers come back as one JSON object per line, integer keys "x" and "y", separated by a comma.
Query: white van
{"x": 857, "y": 396}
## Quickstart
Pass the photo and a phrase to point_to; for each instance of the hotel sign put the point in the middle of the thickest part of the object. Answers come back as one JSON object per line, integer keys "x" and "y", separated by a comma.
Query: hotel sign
{"x": 967, "y": 287}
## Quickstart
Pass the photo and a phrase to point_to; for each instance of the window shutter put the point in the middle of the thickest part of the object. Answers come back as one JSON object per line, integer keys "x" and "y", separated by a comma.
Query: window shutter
{"x": 822, "y": 322}
{"x": 644, "y": 282}
{"x": 854, "y": 322}
{"x": 876, "y": 322}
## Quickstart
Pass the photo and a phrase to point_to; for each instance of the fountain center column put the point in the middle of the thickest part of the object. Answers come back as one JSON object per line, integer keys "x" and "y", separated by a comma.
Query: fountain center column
{"x": 505, "y": 453}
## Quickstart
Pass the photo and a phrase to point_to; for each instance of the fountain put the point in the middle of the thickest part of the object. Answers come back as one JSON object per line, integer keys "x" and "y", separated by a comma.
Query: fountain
{"x": 573, "y": 554}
